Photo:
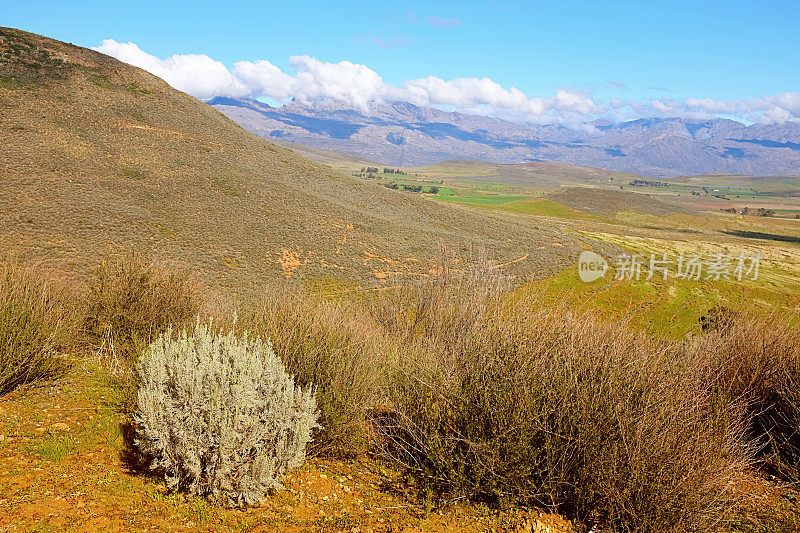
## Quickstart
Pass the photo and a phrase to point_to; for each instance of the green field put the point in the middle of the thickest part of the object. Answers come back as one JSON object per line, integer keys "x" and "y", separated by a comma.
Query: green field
{"x": 486, "y": 199}
{"x": 544, "y": 207}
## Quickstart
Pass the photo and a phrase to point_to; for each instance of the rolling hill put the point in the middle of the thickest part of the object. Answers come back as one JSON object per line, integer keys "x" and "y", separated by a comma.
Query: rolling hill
{"x": 100, "y": 157}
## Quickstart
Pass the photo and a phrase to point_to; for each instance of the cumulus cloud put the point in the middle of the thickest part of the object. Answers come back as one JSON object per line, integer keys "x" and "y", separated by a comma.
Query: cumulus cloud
{"x": 712, "y": 106}
{"x": 351, "y": 83}
{"x": 776, "y": 108}
{"x": 196, "y": 74}
{"x": 493, "y": 99}
{"x": 264, "y": 78}
{"x": 779, "y": 108}
{"x": 356, "y": 85}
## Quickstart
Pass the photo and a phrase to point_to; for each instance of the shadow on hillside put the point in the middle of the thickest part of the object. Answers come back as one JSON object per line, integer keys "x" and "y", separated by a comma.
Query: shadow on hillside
{"x": 763, "y": 236}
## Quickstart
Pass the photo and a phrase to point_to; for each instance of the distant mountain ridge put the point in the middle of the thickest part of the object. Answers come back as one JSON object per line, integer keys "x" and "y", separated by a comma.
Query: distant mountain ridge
{"x": 402, "y": 134}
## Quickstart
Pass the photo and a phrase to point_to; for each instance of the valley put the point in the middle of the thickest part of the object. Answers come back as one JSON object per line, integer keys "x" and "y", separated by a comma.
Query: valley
{"x": 426, "y": 296}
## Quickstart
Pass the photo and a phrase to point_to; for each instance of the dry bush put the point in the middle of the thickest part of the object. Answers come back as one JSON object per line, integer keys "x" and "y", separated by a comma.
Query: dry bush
{"x": 446, "y": 306}
{"x": 334, "y": 347}
{"x": 509, "y": 404}
{"x": 38, "y": 318}
{"x": 132, "y": 301}
{"x": 756, "y": 359}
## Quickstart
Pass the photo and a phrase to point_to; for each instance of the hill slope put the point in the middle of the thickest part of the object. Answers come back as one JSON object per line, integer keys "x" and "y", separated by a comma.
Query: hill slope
{"x": 402, "y": 134}
{"x": 100, "y": 157}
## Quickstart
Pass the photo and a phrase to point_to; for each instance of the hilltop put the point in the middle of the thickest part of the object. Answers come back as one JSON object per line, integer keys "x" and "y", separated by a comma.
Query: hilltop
{"x": 102, "y": 157}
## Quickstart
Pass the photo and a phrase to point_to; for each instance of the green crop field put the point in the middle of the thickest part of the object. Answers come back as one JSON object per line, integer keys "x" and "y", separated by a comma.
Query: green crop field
{"x": 478, "y": 199}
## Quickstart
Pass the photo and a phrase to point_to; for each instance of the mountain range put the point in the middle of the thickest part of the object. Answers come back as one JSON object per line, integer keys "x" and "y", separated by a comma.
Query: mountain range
{"x": 405, "y": 135}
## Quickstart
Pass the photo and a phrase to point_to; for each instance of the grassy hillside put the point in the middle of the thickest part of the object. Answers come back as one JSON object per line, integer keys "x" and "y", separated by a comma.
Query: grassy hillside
{"x": 465, "y": 402}
{"x": 101, "y": 157}
{"x": 595, "y": 200}
{"x": 337, "y": 160}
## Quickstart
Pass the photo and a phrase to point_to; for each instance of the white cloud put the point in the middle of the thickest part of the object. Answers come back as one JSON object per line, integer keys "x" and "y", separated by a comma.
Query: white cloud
{"x": 264, "y": 78}
{"x": 778, "y": 108}
{"x": 359, "y": 86}
{"x": 354, "y": 84}
{"x": 196, "y": 74}
{"x": 713, "y": 106}
{"x": 470, "y": 94}
{"x": 575, "y": 102}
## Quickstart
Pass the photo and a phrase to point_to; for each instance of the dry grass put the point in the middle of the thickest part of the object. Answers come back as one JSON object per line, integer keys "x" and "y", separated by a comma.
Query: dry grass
{"x": 756, "y": 360}
{"x": 37, "y": 321}
{"x": 485, "y": 397}
{"x": 609, "y": 201}
{"x": 327, "y": 345}
{"x": 481, "y": 397}
{"x": 131, "y": 302}
{"x": 110, "y": 157}
{"x": 510, "y": 404}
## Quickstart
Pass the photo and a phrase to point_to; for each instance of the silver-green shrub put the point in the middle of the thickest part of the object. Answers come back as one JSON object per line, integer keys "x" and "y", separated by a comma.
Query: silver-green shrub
{"x": 220, "y": 415}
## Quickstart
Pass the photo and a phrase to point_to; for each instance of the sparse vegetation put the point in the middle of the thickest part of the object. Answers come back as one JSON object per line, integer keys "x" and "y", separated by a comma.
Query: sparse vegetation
{"x": 480, "y": 394}
{"x": 510, "y": 404}
{"x": 132, "y": 301}
{"x": 137, "y": 89}
{"x": 179, "y": 164}
{"x": 101, "y": 80}
{"x": 37, "y": 322}
{"x": 495, "y": 389}
{"x": 326, "y": 344}
{"x": 756, "y": 360}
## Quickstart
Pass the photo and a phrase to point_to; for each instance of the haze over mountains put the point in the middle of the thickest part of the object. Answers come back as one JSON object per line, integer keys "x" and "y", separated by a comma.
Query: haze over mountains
{"x": 403, "y": 134}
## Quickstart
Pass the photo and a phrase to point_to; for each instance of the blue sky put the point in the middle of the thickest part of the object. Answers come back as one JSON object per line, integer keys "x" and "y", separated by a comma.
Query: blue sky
{"x": 628, "y": 52}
